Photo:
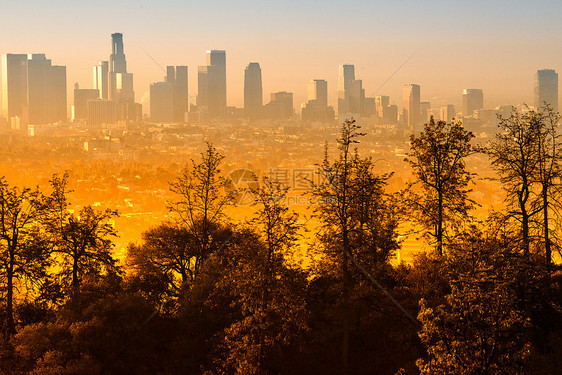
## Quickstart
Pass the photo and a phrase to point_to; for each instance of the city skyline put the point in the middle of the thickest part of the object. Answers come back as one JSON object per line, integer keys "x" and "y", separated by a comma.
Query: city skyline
{"x": 478, "y": 37}
{"x": 112, "y": 80}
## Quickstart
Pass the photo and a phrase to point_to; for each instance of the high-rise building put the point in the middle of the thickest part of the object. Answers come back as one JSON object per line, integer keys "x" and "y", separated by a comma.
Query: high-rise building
{"x": 102, "y": 111}
{"x": 34, "y": 91}
{"x": 38, "y": 72}
{"x": 472, "y": 100}
{"x": 318, "y": 92}
{"x": 381, "y": 101}
{"x": 253, "y": 90}
{"x": 202, "y": 86}
{"x": 546, "y": 88}
{"x": 117, "y": 61}
{"x": 411, "y": 97}
{"x": 14, "y": 86}
{"x": 58, "y": 94}
{"x": 356, "y": 96}
{"x": 447, "y": 113}
{"x": 425, "y": 112}
{"x": 390, "y": 114}
{"x": 81, "y": 98}
{"x": 316, "y": 109}
{"x": 216, "y": 82}
{"x": 101, "y": 79}
{"x": 169, "y": 100}
{"x": 280, "y": 107}
{"x": 162, "y": 102}
{"x": 120, "y": 83}
{"x": 346, "y": 75}
{"x": 177, "y": 76}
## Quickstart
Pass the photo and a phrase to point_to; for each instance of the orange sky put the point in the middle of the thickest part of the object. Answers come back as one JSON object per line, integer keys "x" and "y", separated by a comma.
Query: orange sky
{"x": 496, "y": 47}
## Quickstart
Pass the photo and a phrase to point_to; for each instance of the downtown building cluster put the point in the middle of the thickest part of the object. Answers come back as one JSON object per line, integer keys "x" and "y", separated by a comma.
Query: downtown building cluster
{"x": 34, "y": 93}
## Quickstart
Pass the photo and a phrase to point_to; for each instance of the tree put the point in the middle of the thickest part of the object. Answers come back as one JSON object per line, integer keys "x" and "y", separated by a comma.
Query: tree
{"x": 482, "y": 328}
{"x": 23, "y": 255}
{"x": 337, "y": 195}
{"x": 200, "y": 204}
{"x": 438, "y": 160}
{"x": 167, "y": 255}
{"x": 377, "y": 214}
{"x": 549, "y": 172}
{"x": 83, "y": 240}
{"x": 268, "y": 291}
{"x": 514, "y": 156}
{"x": 88, "y": 244}
{"x": 166, "y": 251}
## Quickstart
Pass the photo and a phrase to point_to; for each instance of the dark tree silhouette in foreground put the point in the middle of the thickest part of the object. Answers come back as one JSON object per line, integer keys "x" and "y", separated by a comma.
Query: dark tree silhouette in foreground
{"x": 83, "y": 240}
{"x": 23, "y": 255}
{"x": 437, "y": 157}
{"x": 200, "y": 204}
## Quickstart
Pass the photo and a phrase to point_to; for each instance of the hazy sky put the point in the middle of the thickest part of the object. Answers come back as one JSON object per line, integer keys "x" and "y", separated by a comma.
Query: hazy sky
{"x": 493, "y": 45}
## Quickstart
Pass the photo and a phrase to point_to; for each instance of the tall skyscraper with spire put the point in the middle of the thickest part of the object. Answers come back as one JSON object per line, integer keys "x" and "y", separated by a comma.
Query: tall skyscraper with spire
{"x": 253, "y": 90}
{"x": 115, "y": 86}
{"x": 120, "y": 82}
{"x": 546, "y": 88}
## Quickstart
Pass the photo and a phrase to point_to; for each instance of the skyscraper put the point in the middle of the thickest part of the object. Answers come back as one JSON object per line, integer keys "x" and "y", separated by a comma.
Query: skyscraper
{"x": 14, "y": 85}
{"x": 411, "y": 97}
{"x": 120, "y": 82}
{"x": 447, "y": 113}
{"x": 472, "y": 100}
{"x": 58, "y": 95}
{"x": 216, "y": 82}
{"x": 381, "y": 101}
{"x": 81, "y": 98}
{"x": 162, "y": 102}
{"x": 316, "y": 109}
{"x": 33, "y": 90}
{"x": 281, "y": 106}
{"x": 425, "y": 112}
{"x": 346, "y": 75}
{"x": 546, "y": 88}
{"x": 177, "y": 76}
{"x": 355, "y": 96}
{"x": 101, "y": 77}
{"x": 117, "y": 61}
{"x": 202, "y": 86}
{"x": 253, "y": 91}
{"x": 318, "y": 92}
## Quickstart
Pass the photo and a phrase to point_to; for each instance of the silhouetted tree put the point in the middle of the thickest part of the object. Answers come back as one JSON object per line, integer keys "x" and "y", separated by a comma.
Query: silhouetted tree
{"x": 437, "y": 157}
{"x": 166, "y": 251}
{"x": 23, "y": 256}
{"x": 377, "y": 214}
{"x": 200, "y": 204}
{"x": 514, "y": 155}
{"x": 549, "y": 172}
{"x": 482, "y": 328}
{"x": 268, "y": 291}
{"x": 83, "y": 240}
{"x": 337, "y": 196}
